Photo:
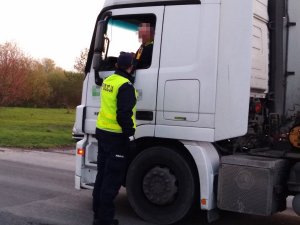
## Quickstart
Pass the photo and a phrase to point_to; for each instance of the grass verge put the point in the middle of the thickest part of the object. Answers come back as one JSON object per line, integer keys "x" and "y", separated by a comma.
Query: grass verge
{"x": 36, "y": 128}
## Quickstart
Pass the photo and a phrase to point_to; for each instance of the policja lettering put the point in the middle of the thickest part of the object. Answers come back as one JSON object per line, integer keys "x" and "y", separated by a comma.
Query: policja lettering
{"x": 107, "y": 87}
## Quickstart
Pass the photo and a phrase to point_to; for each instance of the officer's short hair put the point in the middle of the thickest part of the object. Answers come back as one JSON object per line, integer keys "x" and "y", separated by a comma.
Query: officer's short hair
{"x": 125, "y": 60}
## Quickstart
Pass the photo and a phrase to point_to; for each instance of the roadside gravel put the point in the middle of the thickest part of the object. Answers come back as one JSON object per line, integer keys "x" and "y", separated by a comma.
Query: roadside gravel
{"x": 41, "y": 157}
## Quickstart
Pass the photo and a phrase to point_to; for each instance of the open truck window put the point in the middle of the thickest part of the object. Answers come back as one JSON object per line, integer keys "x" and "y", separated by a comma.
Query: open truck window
{"x": 123, "y": 35}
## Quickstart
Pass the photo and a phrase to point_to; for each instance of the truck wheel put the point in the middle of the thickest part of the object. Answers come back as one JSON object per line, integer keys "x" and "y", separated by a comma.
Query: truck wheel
{"x": 296, "y": 204}
{"x": 160, "y": 185}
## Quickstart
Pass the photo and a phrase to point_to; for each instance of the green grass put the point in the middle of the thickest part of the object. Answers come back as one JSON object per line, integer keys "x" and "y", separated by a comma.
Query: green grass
{"x": 36, "y": 128}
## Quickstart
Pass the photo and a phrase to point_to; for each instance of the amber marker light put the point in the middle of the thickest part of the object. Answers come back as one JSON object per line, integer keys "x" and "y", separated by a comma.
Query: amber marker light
{"x": 80, "y": 151}
{"x": 203, "y": 201}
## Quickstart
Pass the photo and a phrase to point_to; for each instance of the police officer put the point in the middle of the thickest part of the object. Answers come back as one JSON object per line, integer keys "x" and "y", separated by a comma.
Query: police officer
{"x": 115, "y": 124}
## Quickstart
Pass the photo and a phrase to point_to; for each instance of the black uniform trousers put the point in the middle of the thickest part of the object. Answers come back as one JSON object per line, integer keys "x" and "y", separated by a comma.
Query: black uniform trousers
{"x": 111, "y": 165}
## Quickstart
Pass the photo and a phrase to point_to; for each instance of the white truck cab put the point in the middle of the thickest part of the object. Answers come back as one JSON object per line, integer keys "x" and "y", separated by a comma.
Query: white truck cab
{"x": 210, "y": 63}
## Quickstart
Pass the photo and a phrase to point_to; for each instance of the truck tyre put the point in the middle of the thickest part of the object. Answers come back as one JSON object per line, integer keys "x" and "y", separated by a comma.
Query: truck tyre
{"x": 296, "y": 204}
{"x": 160, "y": 185}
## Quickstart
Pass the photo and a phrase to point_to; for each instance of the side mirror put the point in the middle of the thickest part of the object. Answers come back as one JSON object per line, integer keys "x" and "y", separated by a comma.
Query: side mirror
{"x": 98, "y": 50}
{"x": 99, "y": 42}
{"x": 97, "y": 59}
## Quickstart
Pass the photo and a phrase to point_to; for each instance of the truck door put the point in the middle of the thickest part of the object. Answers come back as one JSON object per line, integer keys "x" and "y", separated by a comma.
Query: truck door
{"x": 121, "y": 34}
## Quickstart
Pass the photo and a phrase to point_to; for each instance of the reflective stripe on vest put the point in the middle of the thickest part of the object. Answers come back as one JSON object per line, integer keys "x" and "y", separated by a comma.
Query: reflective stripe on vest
{"x": 107, "y": 117}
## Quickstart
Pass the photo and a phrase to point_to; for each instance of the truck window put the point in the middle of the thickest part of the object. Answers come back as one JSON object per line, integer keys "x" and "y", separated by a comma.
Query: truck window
{"x": 123, "y": 35}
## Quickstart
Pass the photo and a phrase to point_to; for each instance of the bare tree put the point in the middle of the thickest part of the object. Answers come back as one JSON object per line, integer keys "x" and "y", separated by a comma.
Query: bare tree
{"x": 48, "y": 64}
{"x": 81, "y": 61}
{"x": 14, "y": 69}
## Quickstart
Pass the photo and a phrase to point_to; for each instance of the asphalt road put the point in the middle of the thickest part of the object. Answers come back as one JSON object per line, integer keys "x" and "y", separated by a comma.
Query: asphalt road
{"x": 37, "y": 188}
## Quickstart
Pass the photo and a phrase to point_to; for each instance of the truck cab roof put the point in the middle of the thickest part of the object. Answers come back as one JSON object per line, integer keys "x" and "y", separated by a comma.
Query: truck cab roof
{"x": 139, "y": 2}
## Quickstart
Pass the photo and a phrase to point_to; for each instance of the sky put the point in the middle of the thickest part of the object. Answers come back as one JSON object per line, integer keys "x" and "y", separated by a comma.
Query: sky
{"x": 55, "y": 29}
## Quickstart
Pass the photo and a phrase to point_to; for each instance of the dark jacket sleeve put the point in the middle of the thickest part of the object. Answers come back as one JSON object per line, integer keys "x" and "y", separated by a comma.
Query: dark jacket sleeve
{"x": 126, "y": 100}
{"x": 146, "y": 57}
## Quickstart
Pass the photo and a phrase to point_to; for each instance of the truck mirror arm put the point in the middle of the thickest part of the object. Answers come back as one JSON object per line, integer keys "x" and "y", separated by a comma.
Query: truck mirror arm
{"x": 98, "y": 79}
{"x": 99, "y": 49}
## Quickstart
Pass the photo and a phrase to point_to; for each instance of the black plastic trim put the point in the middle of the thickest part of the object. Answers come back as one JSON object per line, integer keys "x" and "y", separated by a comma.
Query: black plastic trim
{"x": 148, "y": 4}
{"x": 290, "y": 73}
{"x": 144, "y": 115}
{"x": 83, "y": 119}
{"x": 291, "y": 24}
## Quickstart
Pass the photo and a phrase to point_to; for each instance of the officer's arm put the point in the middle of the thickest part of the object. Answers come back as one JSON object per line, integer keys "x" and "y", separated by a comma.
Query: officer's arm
{"x": 125, "y": 102}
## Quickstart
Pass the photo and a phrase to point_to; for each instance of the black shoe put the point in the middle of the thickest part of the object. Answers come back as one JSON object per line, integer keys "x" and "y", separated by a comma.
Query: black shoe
{"x": 97, "y": 222}
{"x": 115, "y": 222}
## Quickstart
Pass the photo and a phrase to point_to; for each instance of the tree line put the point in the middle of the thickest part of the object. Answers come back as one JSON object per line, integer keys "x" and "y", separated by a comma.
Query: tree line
{"x": 28, "y": 82}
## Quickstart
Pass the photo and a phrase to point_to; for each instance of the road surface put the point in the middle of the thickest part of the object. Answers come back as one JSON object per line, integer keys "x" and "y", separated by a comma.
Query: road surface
{"x": 37, "y": 188}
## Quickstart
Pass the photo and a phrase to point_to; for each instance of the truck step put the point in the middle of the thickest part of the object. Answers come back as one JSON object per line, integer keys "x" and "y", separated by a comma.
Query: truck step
{"x": 90, "y": 184}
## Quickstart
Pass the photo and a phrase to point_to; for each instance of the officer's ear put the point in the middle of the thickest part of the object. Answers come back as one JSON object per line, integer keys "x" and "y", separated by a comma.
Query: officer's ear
{"x": 116, "y": 65}
{"x": 130, "y": 69}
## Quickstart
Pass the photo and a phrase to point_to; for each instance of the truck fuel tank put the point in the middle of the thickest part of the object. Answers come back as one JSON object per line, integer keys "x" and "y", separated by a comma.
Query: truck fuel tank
{"x": 252, "y": 185}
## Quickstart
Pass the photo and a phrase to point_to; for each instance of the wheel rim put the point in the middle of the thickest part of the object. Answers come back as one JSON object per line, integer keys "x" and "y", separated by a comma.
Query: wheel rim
{"x": 160, "y": 186}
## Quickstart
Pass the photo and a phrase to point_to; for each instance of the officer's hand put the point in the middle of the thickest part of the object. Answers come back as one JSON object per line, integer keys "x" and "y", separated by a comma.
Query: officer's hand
{"x": 131, "y": 138}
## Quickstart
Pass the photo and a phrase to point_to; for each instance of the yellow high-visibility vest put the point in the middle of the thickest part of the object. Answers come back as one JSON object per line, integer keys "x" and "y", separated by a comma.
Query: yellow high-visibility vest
{"x": 107, "y": 117}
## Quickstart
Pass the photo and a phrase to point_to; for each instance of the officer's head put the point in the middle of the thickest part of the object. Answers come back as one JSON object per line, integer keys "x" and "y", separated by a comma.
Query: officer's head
{"x": 124, "y": 61}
